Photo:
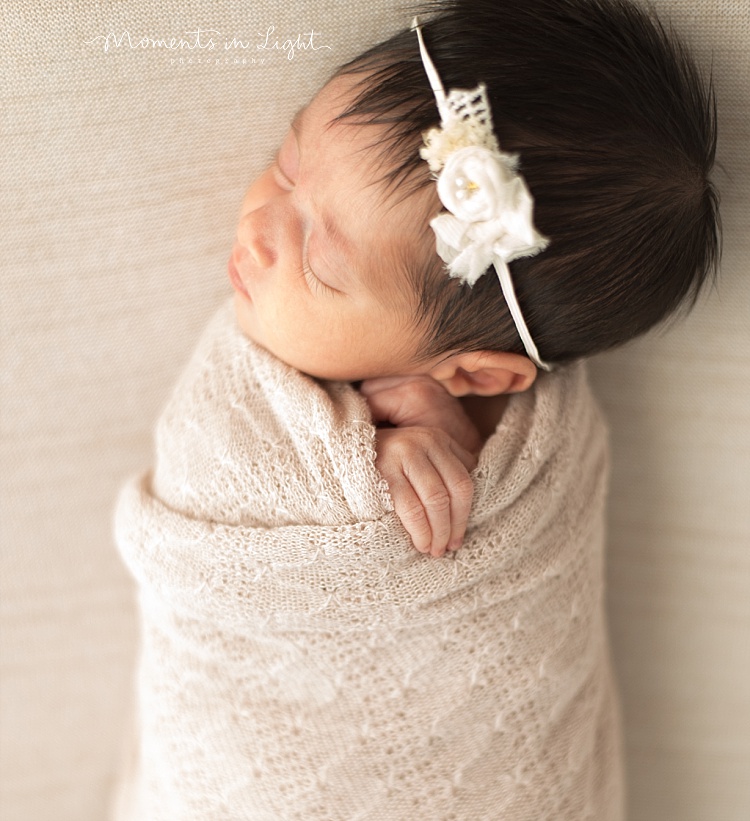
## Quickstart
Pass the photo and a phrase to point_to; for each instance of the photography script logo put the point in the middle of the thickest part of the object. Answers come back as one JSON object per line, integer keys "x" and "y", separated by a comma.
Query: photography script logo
{"x": 206, "y": 40}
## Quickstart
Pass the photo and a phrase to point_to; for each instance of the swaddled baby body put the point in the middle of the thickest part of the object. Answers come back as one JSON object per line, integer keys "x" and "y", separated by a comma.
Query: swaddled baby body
{"x": 301, "y": 660}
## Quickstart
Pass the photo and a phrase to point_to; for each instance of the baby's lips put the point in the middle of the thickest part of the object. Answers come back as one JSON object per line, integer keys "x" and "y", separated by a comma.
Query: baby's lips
{"x": 235, "y": 278}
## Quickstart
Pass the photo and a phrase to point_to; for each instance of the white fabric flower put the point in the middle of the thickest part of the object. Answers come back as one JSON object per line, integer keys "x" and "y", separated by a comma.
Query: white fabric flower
{"x": 474, "y": 184}
{"x": 490, "y": 215}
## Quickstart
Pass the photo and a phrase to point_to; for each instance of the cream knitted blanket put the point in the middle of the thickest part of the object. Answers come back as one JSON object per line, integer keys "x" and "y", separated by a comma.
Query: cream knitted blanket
{"x": 301, "y": 661}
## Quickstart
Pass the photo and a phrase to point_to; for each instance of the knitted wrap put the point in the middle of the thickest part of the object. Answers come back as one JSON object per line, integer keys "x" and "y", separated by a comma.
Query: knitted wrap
{"x": 300, "y": 660}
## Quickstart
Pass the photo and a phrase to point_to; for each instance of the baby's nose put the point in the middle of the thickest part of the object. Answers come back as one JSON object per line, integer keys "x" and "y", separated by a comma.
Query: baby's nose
{"x": 255, "y": 233}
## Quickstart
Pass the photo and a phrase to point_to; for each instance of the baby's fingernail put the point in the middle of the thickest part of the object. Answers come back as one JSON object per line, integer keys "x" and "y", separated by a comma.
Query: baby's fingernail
{"x": 454, "y": 545}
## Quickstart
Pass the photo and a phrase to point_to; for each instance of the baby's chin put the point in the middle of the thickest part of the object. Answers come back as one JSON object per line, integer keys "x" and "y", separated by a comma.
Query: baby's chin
{"x": 243, "y": 314}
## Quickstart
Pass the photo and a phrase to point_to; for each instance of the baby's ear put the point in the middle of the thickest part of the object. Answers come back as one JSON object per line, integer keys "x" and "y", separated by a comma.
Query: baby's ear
{"x": 484, "y": 373}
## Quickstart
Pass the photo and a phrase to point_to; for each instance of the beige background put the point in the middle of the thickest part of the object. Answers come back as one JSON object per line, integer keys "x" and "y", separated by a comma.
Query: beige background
{"x": 120, "y": 177}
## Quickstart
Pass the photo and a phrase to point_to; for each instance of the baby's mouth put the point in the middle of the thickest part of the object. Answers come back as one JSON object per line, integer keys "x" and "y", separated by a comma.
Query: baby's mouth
{"x": 235, "y": 278}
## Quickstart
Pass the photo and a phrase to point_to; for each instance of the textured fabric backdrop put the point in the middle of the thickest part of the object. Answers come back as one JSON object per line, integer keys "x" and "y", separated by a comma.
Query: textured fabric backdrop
{"x": 122, "y": 172}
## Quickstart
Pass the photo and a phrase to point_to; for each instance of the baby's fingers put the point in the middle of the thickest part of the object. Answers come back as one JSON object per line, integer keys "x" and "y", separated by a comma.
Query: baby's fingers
{"x": 410, "y": 511}
{"x": 436, "y": 501}
{"x": 453, "y": 469}
{"x": 428, "y": 477}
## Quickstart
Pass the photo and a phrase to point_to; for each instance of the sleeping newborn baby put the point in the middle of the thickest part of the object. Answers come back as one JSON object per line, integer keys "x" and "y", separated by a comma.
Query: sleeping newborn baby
{"x": 417, "y": 276}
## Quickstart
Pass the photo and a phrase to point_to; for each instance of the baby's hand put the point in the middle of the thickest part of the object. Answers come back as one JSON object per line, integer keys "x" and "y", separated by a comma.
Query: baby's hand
{"x": 409, "y": 401}
{"x": 428, "y": 477}
{"x": 426, "y": 459}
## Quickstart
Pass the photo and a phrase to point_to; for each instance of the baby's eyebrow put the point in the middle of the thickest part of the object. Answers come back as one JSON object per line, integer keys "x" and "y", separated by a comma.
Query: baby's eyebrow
{"x": 335, "y": 234}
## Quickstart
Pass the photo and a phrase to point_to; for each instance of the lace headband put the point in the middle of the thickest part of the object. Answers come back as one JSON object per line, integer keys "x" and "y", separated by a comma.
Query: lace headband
{"x": 491, "y": 209}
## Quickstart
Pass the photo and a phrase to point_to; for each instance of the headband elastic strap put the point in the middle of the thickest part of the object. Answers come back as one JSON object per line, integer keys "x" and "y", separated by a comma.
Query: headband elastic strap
{"x": 429, "y": 67}
{"x": 511, "y": 300}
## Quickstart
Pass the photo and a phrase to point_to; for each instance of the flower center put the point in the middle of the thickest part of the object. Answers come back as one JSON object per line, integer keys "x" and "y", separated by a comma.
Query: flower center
{"x": 465, "y": 188}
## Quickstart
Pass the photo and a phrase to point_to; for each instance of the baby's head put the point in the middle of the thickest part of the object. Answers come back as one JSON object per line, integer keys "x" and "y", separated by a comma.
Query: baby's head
{"x": 615, "y": 134}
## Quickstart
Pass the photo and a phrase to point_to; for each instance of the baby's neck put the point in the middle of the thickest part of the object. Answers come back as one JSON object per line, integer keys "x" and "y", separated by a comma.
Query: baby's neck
{"x": 485, "y": 412}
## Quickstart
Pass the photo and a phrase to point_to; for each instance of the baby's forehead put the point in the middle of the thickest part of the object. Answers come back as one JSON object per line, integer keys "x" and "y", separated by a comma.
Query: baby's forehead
{"x": 383, "y": 222}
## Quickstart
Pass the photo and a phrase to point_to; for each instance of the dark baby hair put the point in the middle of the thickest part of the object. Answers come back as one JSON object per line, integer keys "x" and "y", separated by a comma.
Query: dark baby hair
{"x": 616, "y": 132}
